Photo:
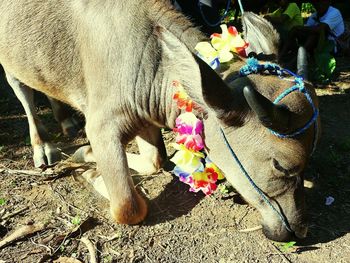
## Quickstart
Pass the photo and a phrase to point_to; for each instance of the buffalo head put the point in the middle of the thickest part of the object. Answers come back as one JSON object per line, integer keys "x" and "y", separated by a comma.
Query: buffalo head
{"x": 244, "y": 110}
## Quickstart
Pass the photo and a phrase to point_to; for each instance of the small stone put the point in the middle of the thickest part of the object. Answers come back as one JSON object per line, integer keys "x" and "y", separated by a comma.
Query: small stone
{"x": 329, "y": 200}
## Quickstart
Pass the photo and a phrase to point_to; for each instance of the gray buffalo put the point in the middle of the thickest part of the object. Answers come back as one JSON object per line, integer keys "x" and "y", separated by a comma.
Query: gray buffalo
{"x": 115, "y": 61}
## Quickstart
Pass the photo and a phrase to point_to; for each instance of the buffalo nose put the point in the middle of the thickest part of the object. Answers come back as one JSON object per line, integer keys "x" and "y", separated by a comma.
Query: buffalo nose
{"x": 279, "y": 236}
{"x": 300, "y": 231}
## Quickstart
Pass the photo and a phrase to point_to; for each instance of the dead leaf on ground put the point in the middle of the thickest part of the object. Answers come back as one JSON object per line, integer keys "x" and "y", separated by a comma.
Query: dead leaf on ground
{"x": 67, "y": 260}
{"x": 21, "y": 232}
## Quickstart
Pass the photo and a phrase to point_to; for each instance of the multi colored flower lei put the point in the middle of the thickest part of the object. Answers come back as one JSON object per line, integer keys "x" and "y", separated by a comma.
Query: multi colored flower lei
{"x": 192, "y": 165}
{"x": 221, "y": 46}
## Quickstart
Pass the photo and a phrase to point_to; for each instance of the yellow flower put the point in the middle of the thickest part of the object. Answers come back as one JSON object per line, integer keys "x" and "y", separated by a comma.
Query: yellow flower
{"x": 228, "y": 40}
{"x": 206, "y": 51}
{"x": 200, "y": 176}
{"x": 187, "y": 160}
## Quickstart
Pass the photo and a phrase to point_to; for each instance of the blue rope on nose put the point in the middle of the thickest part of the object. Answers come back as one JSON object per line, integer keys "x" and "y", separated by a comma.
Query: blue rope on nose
{"x": 260, "y": 192}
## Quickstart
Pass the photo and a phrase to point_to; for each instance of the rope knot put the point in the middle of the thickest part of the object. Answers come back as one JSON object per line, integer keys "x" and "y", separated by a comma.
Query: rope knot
{"x": 252, "y": 66}
{"x": 273, "y": 69}
{"x": 299, "y": 82}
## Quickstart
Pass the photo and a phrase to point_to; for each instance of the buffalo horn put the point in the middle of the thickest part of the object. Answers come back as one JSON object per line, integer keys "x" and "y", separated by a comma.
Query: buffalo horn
{"x": 302, "y": 63}
{"x": 275, "y": 117}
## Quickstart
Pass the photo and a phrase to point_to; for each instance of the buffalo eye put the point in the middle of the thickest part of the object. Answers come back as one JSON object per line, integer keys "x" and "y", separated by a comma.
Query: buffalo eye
{"x": 284, "y": 171}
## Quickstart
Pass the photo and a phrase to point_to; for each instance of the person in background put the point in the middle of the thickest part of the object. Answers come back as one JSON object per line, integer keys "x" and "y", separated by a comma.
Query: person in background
{"x": 326, "y": 24}
{"x": 204, "y": 13}
{"x": 285, "y": 18}
{"x": 208, "y": 14}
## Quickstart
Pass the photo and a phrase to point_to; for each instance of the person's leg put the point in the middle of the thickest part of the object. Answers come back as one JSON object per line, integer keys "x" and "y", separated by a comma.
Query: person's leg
{"x": 290, "y": 42}
{"x": 312, "y": 41}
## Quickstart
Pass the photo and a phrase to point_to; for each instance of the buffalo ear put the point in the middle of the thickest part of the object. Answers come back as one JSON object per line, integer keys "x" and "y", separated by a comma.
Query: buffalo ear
{"x": 260, "y": 34}
{"x": 227, "y": 102}
{"x": 216, "y": 93}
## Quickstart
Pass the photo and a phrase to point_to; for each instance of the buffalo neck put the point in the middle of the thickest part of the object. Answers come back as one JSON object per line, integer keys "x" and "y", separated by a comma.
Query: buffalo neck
{"x": 176, "y": 38}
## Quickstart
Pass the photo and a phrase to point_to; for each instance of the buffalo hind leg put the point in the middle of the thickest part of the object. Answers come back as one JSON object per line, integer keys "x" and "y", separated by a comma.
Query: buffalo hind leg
{"x": 152, "y": 151}
{"x": 43, "y": 151}
{"x": 126, "y": 205}
{"x": 64, "y": 116}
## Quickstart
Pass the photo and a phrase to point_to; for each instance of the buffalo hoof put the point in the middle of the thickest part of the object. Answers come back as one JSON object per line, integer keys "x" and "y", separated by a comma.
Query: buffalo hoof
{"x": 83, "y": 155}
{"x": 45, "y": 154}
{"x": 131, "y": 212}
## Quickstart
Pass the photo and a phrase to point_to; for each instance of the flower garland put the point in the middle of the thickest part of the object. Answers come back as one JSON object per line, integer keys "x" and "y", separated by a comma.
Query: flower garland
{"x": 221, "y": 46}
{"x": 192, "y": 165}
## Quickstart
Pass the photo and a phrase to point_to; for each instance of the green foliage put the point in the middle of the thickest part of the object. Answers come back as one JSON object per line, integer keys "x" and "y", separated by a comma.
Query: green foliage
{"x": 64, "y": 245}
{"x": 1, "y": 148}
{"x": 76, "y": 220}
{"x": 62, "y": 248}
{"x": 225, "y": 189}
{"x": 107, "y": 259}
{"x": 285, "y": 247}
{"x": 230, "y": 15}
{"x": 307, "y": 8}
{"x": 324, "y": 63}
{"x": 2, "y": 201}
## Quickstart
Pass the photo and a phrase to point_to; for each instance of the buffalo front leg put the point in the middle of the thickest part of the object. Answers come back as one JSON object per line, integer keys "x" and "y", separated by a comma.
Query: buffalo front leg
{"x": 152, "y": 151}
{"x": 43, "y": 151}
{"x": 126, "y": 205}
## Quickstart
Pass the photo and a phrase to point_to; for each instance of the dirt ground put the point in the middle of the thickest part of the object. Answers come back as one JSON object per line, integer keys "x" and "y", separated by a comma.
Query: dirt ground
{"x": 181, "y": 226}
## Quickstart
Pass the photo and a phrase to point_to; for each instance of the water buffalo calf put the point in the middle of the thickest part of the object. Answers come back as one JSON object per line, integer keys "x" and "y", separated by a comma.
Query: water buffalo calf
{"x": 115, "y": 62}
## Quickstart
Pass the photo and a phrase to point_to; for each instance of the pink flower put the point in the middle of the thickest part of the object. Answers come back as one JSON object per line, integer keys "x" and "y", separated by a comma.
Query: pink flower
{"x": 188, "y": 123}
{"x": 192, "y": 142}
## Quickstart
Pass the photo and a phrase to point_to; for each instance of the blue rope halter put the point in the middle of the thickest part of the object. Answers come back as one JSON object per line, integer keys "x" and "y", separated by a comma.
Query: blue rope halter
{"x": 251, "y": 67}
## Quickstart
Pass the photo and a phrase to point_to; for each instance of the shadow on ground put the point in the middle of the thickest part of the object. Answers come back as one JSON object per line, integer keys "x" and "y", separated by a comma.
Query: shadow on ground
{"x": 330, "y": 170}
